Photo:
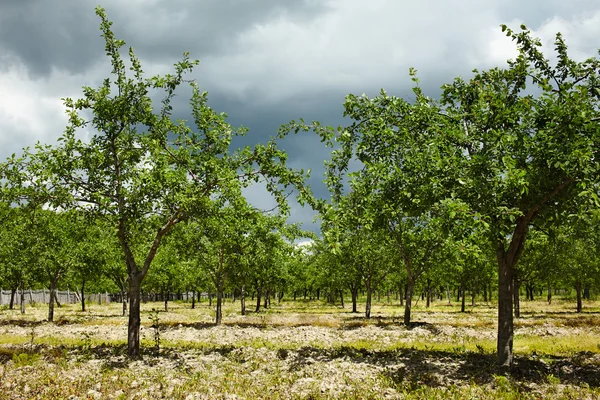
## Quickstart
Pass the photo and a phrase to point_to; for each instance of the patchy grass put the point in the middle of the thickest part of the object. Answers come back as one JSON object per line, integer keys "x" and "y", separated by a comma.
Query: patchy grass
{"x": 300, "y": 350}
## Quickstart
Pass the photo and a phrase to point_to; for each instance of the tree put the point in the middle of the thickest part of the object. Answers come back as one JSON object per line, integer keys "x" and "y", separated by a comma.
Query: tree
{"x": 515, "y": 145}
{"x": 145, "y": 172}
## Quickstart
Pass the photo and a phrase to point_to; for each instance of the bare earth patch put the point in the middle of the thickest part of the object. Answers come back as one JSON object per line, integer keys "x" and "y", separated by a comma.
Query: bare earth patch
{"x": 298, "y": 350}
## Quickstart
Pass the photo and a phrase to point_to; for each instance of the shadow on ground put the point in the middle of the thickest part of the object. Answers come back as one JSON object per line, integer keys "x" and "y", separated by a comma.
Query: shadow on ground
{"x": 404, "y": 366}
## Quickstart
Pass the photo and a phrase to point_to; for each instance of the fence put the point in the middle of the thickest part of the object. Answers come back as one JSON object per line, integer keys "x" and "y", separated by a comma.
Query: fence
{"x": 43, "y": 296}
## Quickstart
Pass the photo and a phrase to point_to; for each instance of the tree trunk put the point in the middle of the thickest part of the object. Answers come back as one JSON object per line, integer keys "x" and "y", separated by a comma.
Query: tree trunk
{"x": 369, "y": 295}
{"x": 485, "y": 296}
{"x": 219, "y": 313}
{"x": 167, "y": 301}
{"x": 266, "y": 301}
{"x": 83, "y": 295}
{"x": 578, "y": 291}
{"x": 428, "y": 293}
{"x": 22, "y": 297}
{"x": 410, "y": 287}
{"x": 549, "y": 297}
{"x": 505, "y": 308}
{"x": 258, "y": 293}
{"x": 133, "y": 327}
{"x": 586, "y": 292}
{"x": 516, "y": 298}
{"x": 354, "y": 292}
{"x": 462, "y": 298}
{"x": 243, "y": 298}
{"x": 13, "y": 293}
{"x": 473, "y": 294}
{"x": 51, "y": 303}
{"x": 402, "y": 294}
{"x": 124, "y": 300}
{"x": 193, "y": 299}
{"x": 342, "y": 298}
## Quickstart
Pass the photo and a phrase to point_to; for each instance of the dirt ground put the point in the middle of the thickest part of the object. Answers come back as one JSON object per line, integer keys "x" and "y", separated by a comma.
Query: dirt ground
{"x": 300, "y": 350}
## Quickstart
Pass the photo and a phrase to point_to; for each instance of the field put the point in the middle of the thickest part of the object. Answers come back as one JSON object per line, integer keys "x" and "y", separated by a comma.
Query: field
{"x": 299, "y": 350}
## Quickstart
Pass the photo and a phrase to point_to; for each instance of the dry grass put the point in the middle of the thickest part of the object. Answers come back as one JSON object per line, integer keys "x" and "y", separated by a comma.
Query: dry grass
{"x": 300, "y": 350}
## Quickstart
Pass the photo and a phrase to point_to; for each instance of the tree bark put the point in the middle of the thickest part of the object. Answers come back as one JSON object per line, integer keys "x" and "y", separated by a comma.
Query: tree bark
{"x": 342, "y": 298}
{"x": 505, "y": 313}
{"x": 485, "y": 296}
{"x": 133, "y": 327}
{"x": 410, "y": 287}
{"x": 124, "y": 301}
{"x": 83, "y": 295}
{"x": 13, "y": 293}
{"x": 516, "y": 297}
{"x": 22, "y": 297}
{"x": 51, "y": 302}
{"x": 258, "y": 294}
{"x": 463, "y": 297}
{"x": 193, "y": 299}
{"x": 354, "y": 292}
{"x": 369, "y": 296}
{"x": 219, "y": 310}
{"x": 243, "y": 298}
{"x": 578, "y": 291}
{"x": 549, "y": 297}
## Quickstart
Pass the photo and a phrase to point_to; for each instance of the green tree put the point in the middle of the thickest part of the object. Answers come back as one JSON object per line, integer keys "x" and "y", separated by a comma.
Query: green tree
{"x": 144, "y": 171}
{"x": 513, "y": 144}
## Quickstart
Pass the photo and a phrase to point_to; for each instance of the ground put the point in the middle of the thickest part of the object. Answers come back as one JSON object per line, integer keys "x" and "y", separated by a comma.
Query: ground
{"x": 300, "y": 350}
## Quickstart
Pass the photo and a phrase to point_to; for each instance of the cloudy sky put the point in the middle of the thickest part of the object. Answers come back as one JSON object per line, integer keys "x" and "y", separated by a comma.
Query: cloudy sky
{"x": 265, "y": 62}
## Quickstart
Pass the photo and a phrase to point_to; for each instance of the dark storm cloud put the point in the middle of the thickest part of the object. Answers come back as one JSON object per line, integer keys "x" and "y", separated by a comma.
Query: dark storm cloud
{"x": 266, "y": 62}
{"x": 46, "y": 34}
{"x": 65, "y": 35}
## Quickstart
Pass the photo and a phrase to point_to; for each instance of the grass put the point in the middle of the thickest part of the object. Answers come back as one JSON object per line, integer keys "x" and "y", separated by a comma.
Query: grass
{"x": 301, "y": 349}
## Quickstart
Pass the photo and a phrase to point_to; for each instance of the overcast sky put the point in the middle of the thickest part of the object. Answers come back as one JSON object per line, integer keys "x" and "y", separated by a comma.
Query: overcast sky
{"x": 265, "y": 62}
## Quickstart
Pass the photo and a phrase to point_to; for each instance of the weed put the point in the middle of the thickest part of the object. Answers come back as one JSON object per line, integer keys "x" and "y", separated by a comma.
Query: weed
{"x": 31, "y": 338}
{"x": 156, "y": 327}
{"x": 25, "y": 359}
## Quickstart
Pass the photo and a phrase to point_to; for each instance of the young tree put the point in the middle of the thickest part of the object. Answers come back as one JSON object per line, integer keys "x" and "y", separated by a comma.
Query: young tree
{"x": 145, "y": 172}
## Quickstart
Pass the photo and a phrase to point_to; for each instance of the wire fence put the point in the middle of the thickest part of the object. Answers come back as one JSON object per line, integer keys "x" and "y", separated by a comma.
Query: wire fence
{"x": 43, "y": 296}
